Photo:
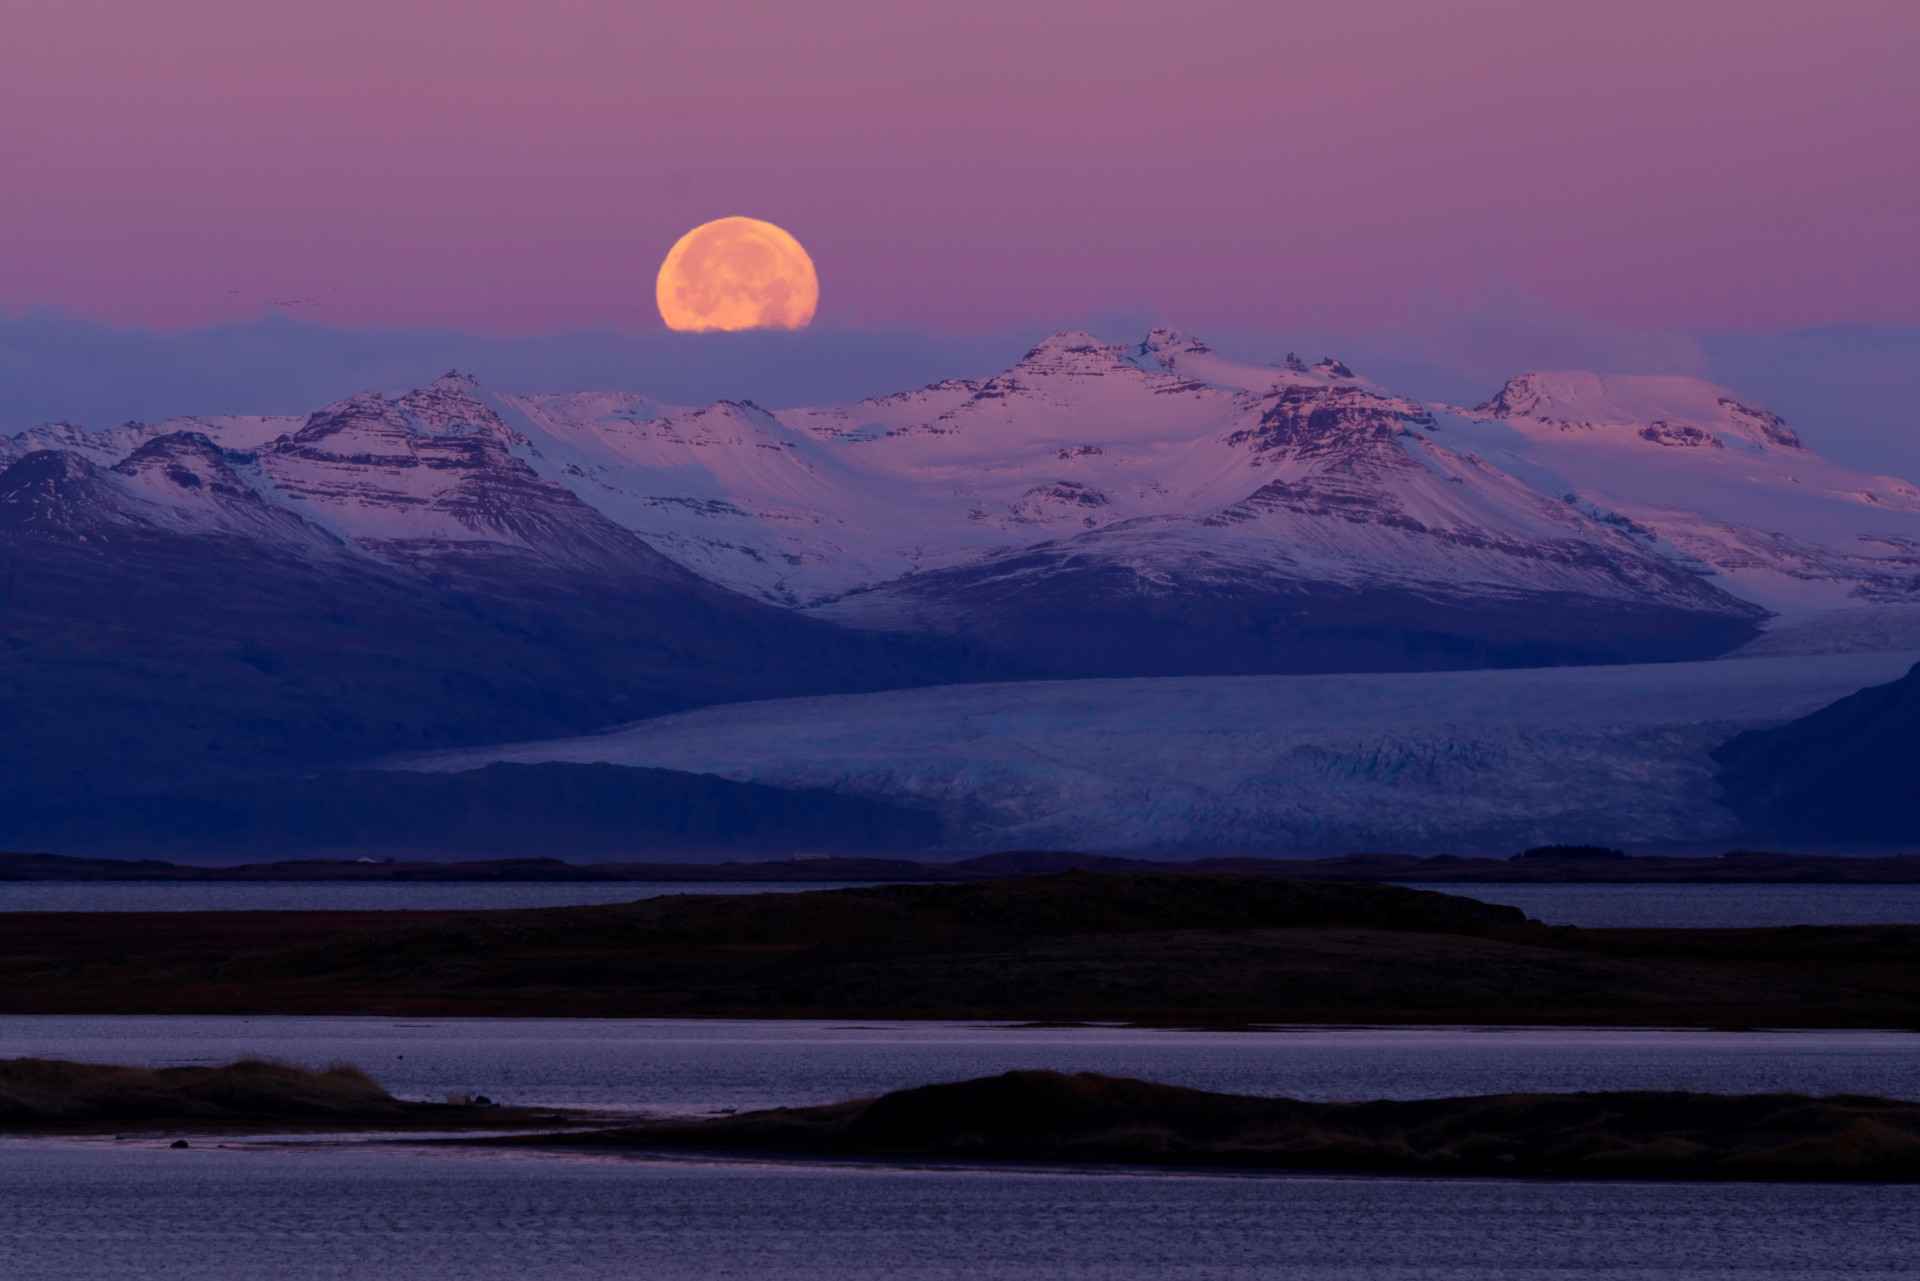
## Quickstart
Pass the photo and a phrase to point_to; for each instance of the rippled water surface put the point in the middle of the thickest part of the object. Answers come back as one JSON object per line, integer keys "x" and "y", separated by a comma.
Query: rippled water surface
{"x": 104, "y": 1209}
{"x": 698, "y": 1065}
{"x": 103, "y": 1212}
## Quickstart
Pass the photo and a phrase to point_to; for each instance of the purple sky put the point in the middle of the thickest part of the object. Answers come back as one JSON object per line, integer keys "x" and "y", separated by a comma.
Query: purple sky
{"x": 519, "y": 166}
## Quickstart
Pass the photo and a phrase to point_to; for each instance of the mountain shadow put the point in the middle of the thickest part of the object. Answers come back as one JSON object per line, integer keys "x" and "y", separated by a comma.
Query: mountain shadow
{"x": 590, "y": 811}
{"x": 1843, "y": 773}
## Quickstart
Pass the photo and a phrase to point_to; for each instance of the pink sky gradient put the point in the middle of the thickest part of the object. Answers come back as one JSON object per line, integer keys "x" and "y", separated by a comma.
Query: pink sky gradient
{"x": 522, "y": 165}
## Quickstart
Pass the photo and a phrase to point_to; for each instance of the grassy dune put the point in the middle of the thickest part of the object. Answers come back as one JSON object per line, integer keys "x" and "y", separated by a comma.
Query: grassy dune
{"x": 56, "y": 1096}
{"x": 1054, "y": 1118}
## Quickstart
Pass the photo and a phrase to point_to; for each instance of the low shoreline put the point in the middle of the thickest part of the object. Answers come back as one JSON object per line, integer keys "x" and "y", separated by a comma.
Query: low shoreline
{"x": 1163, "y": 951}
{"x": 43, "y": 1098}
{"x": 1039, "y": 1118}
{"x": 1028, "y": 1118}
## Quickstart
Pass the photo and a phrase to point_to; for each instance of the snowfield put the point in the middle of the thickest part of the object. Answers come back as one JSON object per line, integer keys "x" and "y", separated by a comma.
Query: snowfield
{"x": 1417, "y": 761}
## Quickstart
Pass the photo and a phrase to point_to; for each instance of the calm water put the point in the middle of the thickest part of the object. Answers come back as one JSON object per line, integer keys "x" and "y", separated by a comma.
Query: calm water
{"x": 1592, "y": 905}
{"x": 1703, "y": 906}
{"x": 698, "y": 1065}
{"x": 101, "y": 1212}
{"x": 241, "y": 896}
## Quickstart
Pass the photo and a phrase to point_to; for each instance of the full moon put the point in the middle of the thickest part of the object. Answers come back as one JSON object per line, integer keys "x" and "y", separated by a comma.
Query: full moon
{"x": 737, "y": 273}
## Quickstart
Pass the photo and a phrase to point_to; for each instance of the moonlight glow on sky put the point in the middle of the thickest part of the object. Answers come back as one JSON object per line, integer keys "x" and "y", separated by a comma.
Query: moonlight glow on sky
{"x": 1715, "y": 166}
{"x": 737, "y": 273}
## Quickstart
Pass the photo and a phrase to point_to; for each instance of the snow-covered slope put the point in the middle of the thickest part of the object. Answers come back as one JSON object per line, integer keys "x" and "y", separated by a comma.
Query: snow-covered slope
{"x": 438, "y": 473}
{"x": 416, "y": 481}
{"x": 1096, "y": 508}
{"x": 1419, "y": 761}
{"x": 390, "y": 571}
{"x": 1339, "y": 476}
{"x": 108, "y": 445}
{"x": 728, "y": 490}
{"x": 180, "y": 483}
{"x": 1690, "y": 470}
{"x": 1281, "y": 511}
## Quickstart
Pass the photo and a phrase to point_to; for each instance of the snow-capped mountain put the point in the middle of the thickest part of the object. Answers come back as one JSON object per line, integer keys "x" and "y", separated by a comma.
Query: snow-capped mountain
{"x": 437, "y": 474}
{"x": 1138, "y": 498}
{"x": 800, "y": 506}
{"x": 206, "y": 597}
{"x": 388, "y": 570}
{"x": 1095, "y": 508}
{"x": 1690, "y": 471}
{"x": 108, "y": 445}
{"x": 179, "y": 483}
{"x": 422, "y": 481}
{"x": 1307, "y": 509}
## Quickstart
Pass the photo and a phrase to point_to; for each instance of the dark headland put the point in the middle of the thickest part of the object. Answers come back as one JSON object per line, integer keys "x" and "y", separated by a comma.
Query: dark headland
{"x": 1160, "y": 949}
{"x": 1053, "y": 1118}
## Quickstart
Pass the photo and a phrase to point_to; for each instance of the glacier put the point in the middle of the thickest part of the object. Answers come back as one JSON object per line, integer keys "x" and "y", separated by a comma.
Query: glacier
{"x": 1421, "y": 762}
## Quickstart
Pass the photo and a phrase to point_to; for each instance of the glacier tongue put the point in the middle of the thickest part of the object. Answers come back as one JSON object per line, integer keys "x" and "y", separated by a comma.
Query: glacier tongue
{"x": 1492, "y": 760}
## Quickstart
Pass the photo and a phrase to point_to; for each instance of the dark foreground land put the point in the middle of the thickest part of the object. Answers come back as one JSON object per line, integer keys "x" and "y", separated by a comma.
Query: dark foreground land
{"x": 1548, "y": 865}
{"x": 1058, "y": 1119}
{"x": 51, "y": 1096}
{"x": 1182, "y": 950}
{"x": 1039, "y": 1116}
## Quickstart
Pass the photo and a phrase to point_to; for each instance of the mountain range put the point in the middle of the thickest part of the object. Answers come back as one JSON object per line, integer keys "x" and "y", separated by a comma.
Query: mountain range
{"x": 215, "y": 596}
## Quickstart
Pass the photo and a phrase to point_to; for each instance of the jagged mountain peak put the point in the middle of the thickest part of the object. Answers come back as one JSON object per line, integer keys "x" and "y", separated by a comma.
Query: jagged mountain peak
{"x": 1071, "y": 353}
{"x": 455, "y": 405}
{"x": 1167, "y": 461}
{"x": 181, "y": 483}
{"x": 104, "y": 446}
{"x": 181, "y": 443}
{"x": 1164, "y": 342}
{"x": 1322, "y": 422}
{"x": 1660, "y": 409}
{"x": 1193, "y": 359}
{"x": 1717, "y": 481}
{"x": 1068, "y": 340}
{"x": 737, "y": 409}
{"x": 186, "y": 460}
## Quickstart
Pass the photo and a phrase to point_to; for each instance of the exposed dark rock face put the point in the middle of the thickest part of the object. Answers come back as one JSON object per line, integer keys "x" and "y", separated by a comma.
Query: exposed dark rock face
{"x": 1765, "y": 422}
{"x": 1679, "y": 436}
{"x": 1844, "y": 773}
{"x": 1344, "y": 422}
